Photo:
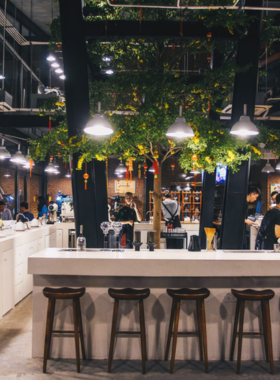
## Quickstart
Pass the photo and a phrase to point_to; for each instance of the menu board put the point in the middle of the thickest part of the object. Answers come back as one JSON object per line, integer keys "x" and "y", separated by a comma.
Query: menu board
{"x": 122, "y": 186}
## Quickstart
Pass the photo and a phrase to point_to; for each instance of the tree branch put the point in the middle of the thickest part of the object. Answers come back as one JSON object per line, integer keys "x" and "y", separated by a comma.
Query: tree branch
{"x": 168, "y": 154}
{"x": 137, "y": 150}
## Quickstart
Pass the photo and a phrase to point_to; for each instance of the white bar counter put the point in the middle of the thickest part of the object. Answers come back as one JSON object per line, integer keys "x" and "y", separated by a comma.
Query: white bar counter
{"x": 98, "y": 270}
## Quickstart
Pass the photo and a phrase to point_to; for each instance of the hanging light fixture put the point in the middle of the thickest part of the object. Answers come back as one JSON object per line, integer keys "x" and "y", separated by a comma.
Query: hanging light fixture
{"x": 62, "y": 76}
{"x": 4, "y": 153}
{"x": 58, "y": 71}
{"x": 55, "y": 164}
{"x": 268, "y": 168}
{"x": 18, "y": 157}
{"x": 98, "y": 125}
{"x": 7, "y": 174}
{"x": 194, "y": 170}
{"x": 180, "y": 128}
{"x": 278, "y": 166}
{"x": 50, "y": 168}
{"x": 151, "y": 170}
{"x": 68, "y": 174}
{"x": 120, "y": 168}
{"x": 244, "y": 127}
{"x": 55, "y": 65}
{"x": 51, "y": 58}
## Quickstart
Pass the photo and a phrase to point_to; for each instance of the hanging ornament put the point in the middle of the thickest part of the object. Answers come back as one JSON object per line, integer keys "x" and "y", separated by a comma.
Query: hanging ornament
{"x": 107, "y": 172}
{"x": 31, "y": 166}
{"x": 145, "y": 169}
{"x": 139, "y": 173}
{"x": 140, "y": 17}
{"x": 172, "y": 47}
{"x": 106, "y": 26}
{"x": 50, "y": 123}
{"x": 181, "y": 27}
{"x": 130, "y": 168}
{"x": 172, "y": 167}
{"x": 127, "y": 174}
{"x": 156, "y": 170}
{"x": 86, "y": 176}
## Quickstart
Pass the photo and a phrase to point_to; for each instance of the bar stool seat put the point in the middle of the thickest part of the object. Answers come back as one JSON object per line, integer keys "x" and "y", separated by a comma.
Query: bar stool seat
{"x": 186, "y": 294}
{"x": 62, "y": 294}
{"x": 133, "y": 295}
{"x": 252, "y": 295}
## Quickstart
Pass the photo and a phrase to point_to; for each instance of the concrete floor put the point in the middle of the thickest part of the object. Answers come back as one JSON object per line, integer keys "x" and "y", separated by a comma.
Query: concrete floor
{"x": 16, "y": 361}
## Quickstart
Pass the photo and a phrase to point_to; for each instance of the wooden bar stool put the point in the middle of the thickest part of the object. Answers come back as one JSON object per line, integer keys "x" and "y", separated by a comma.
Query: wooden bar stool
{"x": 64, "y": 293}
{"x": 252, "y": 295}
{"x": 189, "y": 295}
{"x": 134, "y": 295}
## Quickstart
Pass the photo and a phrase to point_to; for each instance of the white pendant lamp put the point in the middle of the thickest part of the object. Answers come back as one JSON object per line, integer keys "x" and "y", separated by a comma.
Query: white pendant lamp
{"x": 55, "y": 65}
{"x": 268, "y": 168}
{"x": 98, "y": 125}
{"x": 244, "y": 127}
{"x": 7, "y": 174}
{"x": 4, "y": 153}
{"x": 194, "y": 170}
{"x": 151, "y": 170}
{"x": 278, "y": 166}
{"x": 120, "y": 168}
{"x": 50, "y": 167}
{"x": 58, "y": 71}
{"x": 51, "y": 58}
{"x": 180, "y": 128}
{"x": 68, "y": 174}
{"x": 18, "y": 157}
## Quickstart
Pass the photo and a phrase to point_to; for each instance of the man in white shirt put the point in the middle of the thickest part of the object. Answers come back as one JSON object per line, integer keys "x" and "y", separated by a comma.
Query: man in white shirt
{"x": 171, "y": 211}
{"x": 5, "y": 213}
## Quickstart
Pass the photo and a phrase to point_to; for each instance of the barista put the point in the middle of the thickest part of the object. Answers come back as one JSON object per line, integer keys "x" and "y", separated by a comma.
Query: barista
{"x": 253, "y": 194}
{"x": 127, "y": 215}
{"x": 5, "y": 213}
{"x": 273, "y": 196}
{"x": 171, "y": 211}
{"x": 25, "y": 215}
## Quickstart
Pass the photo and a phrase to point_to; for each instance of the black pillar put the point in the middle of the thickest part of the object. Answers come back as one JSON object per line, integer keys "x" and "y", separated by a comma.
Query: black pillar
{"x": 209, "y": 179}
{"x": 90, "y": 205}
{"x": 16, "y": 191}
{"x": 244, "y": 93}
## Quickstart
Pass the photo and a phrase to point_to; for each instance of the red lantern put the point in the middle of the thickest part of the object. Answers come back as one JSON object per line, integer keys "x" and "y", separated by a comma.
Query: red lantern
{"x": 85, "y": 176}
{"x": 127, "y": 174}
{"x": 145, "y": 169}
{"x": 172, "y": 167}
{"x": 50, "y": 122}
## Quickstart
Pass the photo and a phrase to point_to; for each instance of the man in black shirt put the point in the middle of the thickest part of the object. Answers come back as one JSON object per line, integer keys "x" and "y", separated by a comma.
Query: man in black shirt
{"x": 25, "y": 215}
{"x": 268, "y": 235}
{"x": 127, "y": 215}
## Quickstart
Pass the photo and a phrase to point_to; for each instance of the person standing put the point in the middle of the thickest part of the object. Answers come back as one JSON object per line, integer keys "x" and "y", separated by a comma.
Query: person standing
{"x": 269, "y": 230}
{"x": 5, "y": 213}
{"x": 253, "y": 194}
{"x": 42, "y": 207}
{"x": 273, "y": 196}
{"x": 26, "y": 215}
{"x": 127, "y": 215}
{"x": 171, "y": 211}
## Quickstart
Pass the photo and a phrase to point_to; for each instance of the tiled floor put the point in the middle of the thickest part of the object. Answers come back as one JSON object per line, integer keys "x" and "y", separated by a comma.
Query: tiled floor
{"x": 16, "y": 362}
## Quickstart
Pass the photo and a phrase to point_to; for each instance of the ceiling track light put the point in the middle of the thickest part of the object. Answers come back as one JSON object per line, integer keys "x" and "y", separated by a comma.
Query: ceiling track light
{"x": 18, "y": 157}
{"x": 244, "y": 127}
{"x": 180, "y": 129}
{"x": 268, "y": 168}
{"x": 98, "y": 125}
{"x": 4, "y": 153}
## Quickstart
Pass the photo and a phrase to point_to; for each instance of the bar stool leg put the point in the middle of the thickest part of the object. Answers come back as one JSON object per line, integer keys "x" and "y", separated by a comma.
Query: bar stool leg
{"x": 143, "y": 335}
{"x": 199, "y": 327}
{"x": 81, "y": 329}
{"x": 76, "y": 333}
{"x": 203, "y": 322}
{"x": 234, "y": 335}
{"x": 50, "y": 312}
{"x": 240, "y": 335}
{"x": 264, "y": 323}
{"x": 169, "y": 335}
{"x": 113, "y": 333}
{"x": 51, "y": 327}
{"x": 269, "y": 336}
{"x": 175, "y": 334}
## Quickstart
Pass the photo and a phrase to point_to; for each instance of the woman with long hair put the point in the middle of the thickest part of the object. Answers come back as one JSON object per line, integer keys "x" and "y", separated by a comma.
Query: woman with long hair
{"x": 42, "y": 207}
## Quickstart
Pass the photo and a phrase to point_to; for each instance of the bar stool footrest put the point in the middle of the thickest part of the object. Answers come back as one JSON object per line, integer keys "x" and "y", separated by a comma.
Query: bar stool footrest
{"x": 128, "y": 332}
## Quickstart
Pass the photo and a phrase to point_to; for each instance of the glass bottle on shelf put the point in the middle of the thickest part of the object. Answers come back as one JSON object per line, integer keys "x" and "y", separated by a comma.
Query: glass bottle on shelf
{"x": 81, "y": 240}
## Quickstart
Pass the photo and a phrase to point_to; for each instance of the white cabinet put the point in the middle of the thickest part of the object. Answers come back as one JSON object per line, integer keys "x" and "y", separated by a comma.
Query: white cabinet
{"x": 8, "y": 281}
{"x": 29, "y": 249}
{"x": 47, "y": 241}
{"x": 52, "y": 240}
{"x": 18, "y": 293}
{"x": 41, "y": 244}
{"x": 58, "y": 238}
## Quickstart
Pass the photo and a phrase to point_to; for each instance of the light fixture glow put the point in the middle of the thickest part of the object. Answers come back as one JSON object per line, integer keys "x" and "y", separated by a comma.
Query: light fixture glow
{"x": 2, "y": 77}
{"x": 194, "y": 170}
{"x": 62, "y": 76}
{"x": 58, "y": 71}
{"x": 51, "y": 58}
{"x": 55, "y": 65}
{"x": 120, "y": 168}
{"x": 50, "y": 167}
{"x": 18, "y": 157}
{"x": 106, "y": 59}
{"x": 268, "y": 168}
{"x": 180, "y": 129}
{"x": 151, "y": 170}
{"x": 4, "y": 153}
{"x": 278, "y": 166}
{"x": 68, "y": 174}
{"x": 244, "y": 127}
{"x": 98, "y": 125}
{"x": 7, "y": 174}
{"x": 109, "y": 72}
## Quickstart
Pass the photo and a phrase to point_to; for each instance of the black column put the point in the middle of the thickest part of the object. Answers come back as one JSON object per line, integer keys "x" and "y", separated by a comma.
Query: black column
{"x": 16, "y": 191}
{"x": 244, "y": 93}
{"x": 209, "y": 180}
{"x": 77, "y": 109}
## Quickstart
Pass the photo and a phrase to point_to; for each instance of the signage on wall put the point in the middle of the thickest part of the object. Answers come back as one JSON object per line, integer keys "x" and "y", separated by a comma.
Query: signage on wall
{"x": 274, "y": 187}
{"x": 122, "y": 186}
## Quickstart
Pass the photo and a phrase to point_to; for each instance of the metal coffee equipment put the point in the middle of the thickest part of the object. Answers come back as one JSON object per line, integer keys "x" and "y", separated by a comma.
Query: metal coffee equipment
{"x": 105, "y": 227}
{"x": 52, "y": 213}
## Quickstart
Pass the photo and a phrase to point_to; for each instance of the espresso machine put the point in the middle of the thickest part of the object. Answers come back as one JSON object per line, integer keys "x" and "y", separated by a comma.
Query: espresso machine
{"x": 52, "y": 213}
{"x": 67, "y": 210}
